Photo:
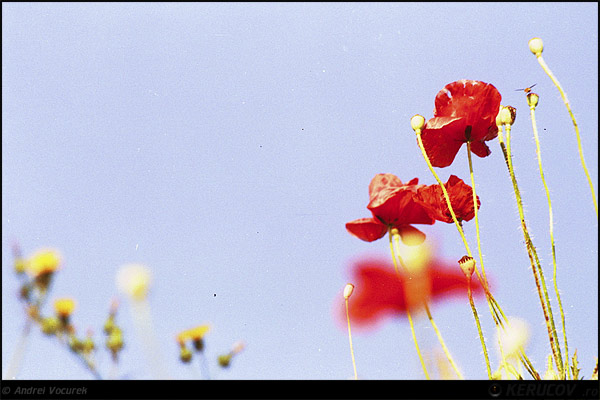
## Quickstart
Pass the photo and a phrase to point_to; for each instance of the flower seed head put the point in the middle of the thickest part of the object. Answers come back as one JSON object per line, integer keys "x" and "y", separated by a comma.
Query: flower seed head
{"x": 348, "y": 290}
{"x": 532, "y": 100}
{"x": 417, "y": 122}
{"x": 536, "y": 46}
{"x": 467, "y": 264}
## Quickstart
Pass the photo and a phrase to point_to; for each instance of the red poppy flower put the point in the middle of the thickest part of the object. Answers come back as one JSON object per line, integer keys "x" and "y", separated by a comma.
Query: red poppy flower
{"x": 461, "y": 198}
{"x": 465, "y": 111}
{"x": 393, "y": 205}
{"x": 380, "y": 293}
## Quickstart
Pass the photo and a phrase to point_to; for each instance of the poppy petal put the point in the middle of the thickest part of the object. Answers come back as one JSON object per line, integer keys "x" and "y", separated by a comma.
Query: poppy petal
{"x": 480, "y": 149}
{"x": 381, "y": 182}
{"x": 461, "y": 197}
{"x": 442, "y": 138}
{"x": 380, "y": 292}
{"x": 367, "y": 229}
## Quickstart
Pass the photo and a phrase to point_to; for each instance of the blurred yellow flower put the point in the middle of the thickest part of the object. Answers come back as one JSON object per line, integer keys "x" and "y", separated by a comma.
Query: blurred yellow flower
{"x": 196, "y": 333}
{"x": 43, "y": 261}
{"x": 64, "y": 306}
{"x": 134, "y": 280}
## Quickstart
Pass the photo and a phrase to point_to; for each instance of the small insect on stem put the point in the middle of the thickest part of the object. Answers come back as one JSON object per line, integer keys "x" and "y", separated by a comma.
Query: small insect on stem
{"x": 527, "y": 89}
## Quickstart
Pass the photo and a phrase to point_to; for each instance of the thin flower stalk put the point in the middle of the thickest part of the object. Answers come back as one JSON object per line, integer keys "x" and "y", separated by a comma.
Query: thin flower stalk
{"x": 476, "y": 212}
{"x": 347, "y": 294}
{"x": 430, "y": 316}
{"x": 494, "y": 306}
{"x": 532, "y": 99}
{"x": 140, "y": 311}
{"x": 410, "y": 321}
{"x": 536, "y": 47}
{"x": 531, "y": 252}
{"x": 483, "y": 346}
{"x": 15, "y": 362}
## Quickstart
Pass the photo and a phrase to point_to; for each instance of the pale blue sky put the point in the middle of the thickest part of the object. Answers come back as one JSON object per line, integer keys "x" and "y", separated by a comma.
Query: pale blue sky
{"x": 225, "y": 145}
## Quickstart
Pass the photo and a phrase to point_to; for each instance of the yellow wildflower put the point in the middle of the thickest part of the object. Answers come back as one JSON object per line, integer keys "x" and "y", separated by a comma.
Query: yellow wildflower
{"x": 42, "y": 262}
{"x": 64, "y": 307}
{"x": 194, "y": 334}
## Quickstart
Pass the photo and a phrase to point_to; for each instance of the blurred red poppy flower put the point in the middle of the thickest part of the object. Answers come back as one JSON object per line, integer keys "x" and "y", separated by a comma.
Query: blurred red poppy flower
{"x": 380, "y": 293}
{"x": 465, "y": 111}
{"x": 461, "y": 197}
{"x": 392, "y": 205}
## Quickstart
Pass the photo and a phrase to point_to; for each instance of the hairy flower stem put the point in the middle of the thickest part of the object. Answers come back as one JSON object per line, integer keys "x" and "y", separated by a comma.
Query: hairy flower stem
{"x": 350, "y": 339}
{"x": 15, "y": 362}
{"x": 579, "y": 147}
{"x": 533, "y": 258}
{"x": 476, "y": 211}
{"x": 429, "y": 315}
{"x": 485, "y": 353}
{"x": 457, "y": 223}
{"x": 410, "y": 321}
{"x": 539, "y": 157}
{"x": 494, "y": 306}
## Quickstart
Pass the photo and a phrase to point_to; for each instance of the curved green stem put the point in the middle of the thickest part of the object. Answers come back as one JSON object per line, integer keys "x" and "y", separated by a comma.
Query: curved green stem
{"x": 430, "y": 316}
{"x": 485, "y": 353}
{"x": 532, "y": 253}
{"x": 579, "y": 147}
{"x": 350, "y": 339}
{"x": 410, "y": 321}
{"x": 562, "y": 313}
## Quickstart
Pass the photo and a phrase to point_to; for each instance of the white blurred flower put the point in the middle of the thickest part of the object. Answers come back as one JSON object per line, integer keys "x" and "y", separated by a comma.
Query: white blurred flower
{"x": 134, "y": 280}
{"x": 514, "y": 337}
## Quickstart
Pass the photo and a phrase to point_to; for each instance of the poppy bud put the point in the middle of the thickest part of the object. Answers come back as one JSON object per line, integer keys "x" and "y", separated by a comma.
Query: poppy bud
{"x": 185, "y": 355}
{"x": 536, "y": 46}
{"x": 467, "y": 264}
{"x": 109, "y": 325}
{"x": 224, "y": 360}
{"x": 115, "y": 341}
{"x": 507, "y": 115}
{"x": 532, "y": 100}
{"x": 348, "y": 290}
{"x": 50, "y": 325}
{"x": 75, "y": 344}
{"x": 499, "y": 118}
{"x": 550, "y": 374}
{"x": 20, "y": 265}
{"x": 417, "y": 122}
{"x": 88, "y": 345}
